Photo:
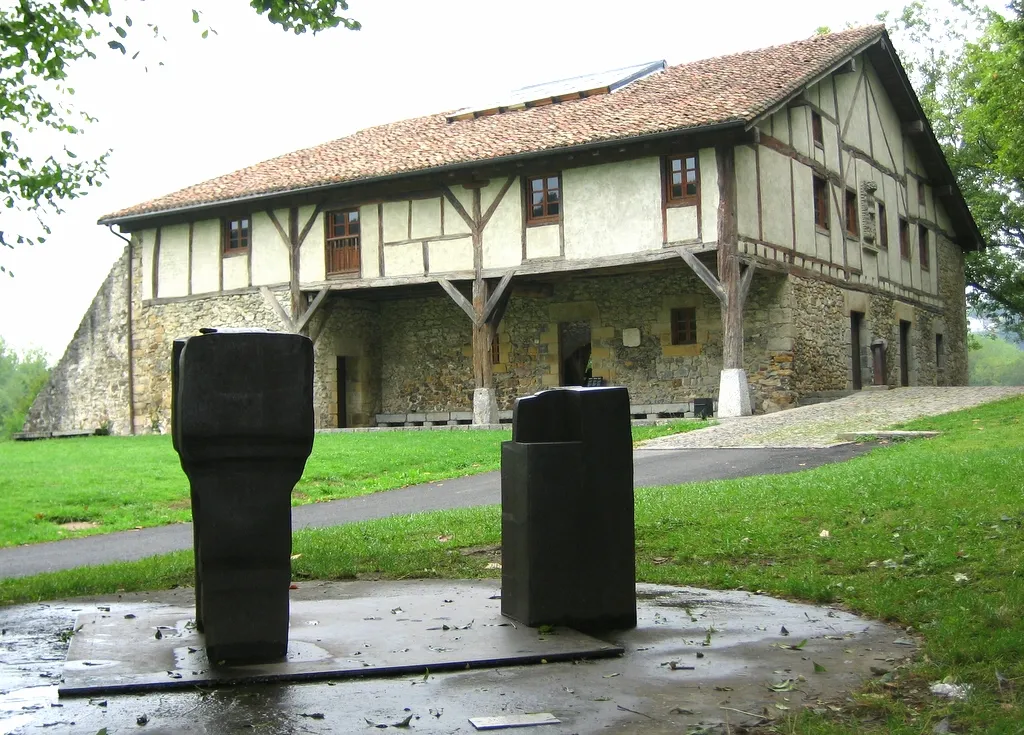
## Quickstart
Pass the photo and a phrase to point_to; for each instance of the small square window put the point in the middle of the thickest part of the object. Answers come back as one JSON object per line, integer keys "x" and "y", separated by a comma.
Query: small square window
{"x": 821, "y": 203}
{"x": 904, "y": 239}
{"x": 883, "y": 228}
{"x": 684, "y": 326}
{"x": 817, "y": 133}
{"x": 682, "y": 179}
{"x": 235, "y": 234}
{"x": 495, "y": 350}
{"x": 852, "y": 214}
{"x": 544, "y": 199}
{"x": 922, "y": 239}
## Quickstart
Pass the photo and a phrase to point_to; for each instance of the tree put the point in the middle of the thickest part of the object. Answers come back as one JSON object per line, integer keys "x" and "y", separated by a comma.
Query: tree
{"x": 39, "y": 41}
{"x": 21, "y": 378}
{"x": 996, "y": 362}
{"x": 967, "y": 63}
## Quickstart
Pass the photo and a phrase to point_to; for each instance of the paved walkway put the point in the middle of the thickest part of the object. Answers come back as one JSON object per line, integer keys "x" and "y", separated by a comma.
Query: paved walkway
{"x": 819, "y": 425}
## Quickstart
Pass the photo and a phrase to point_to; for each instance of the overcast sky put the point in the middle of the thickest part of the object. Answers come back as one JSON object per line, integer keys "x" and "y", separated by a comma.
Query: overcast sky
{"x": 252, "y": 92}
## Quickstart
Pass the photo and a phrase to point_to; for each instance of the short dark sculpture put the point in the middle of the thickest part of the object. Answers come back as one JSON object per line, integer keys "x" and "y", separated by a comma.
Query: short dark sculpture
{"x": 567, "y": 535}
{"x": 242, "y": 423}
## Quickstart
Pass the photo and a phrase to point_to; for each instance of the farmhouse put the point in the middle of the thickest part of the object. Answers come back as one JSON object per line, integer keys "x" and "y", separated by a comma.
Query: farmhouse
{"x": 762, "y": 229}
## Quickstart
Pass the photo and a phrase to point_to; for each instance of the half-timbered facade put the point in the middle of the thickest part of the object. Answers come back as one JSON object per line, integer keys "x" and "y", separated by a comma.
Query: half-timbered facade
{"x": 785, "y": 214}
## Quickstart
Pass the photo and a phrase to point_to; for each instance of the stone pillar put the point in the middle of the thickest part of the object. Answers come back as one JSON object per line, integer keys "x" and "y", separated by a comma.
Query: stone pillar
{"x": 733, "y": 394}
{"x": 485, "y": 406}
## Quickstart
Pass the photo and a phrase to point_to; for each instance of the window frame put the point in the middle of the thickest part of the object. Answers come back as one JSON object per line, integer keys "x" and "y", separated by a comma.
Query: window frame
{"x": 225, "y": 235}
{"x": 904, "y": 225}
{"x": 330, "y": 235}
{"x": 817, "y": 131}
{"x": 820, "y": 192}
{"x": 883, "y": 227}
{"x": 684, "y": 200}
{"x": 495, "y": 349}
{"x": 852, "y": 215}
{"x": 547, "y": 218}
{"x": 683, "y": 318}
{"x": 924, "y": 254}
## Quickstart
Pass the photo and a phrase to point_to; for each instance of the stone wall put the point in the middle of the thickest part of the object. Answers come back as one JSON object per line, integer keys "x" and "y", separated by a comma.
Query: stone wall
{"x": 348, "y": 329}
{"x": 427, "y": 357}
{"x": 88, "y": 388}
{"x": 951, "y": 290}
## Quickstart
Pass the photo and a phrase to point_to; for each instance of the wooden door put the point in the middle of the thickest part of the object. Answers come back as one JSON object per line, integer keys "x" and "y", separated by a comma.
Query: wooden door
{"x": 856, "y": 320}
{"x": 904, "y": 353}
{"x": 342, "y": 403}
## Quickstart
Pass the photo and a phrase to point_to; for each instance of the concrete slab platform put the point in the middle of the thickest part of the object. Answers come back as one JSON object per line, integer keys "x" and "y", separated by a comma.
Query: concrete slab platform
{"x": 157, "y": 647}
{"x": 732, "y": 640}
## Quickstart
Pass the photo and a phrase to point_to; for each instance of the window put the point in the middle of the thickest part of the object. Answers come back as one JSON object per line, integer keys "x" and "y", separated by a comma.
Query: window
{"x": 682, "y": 179}
{"x": 816, "y": 132}
{"x": 544, "y": 204}
{"x": 820, "y": 202}
{"x": 920, "y": 193}
{"x": 922, "y": 239}
{"x": 495, "y": 350}
{"x": 684, "y": 326}
{"x": 852, "y": 215}
{"x": 236, "y": 235}
{"x": 341, "y": 241}
{"x": 904, "y": 239}
{"x": 883, "y": 228}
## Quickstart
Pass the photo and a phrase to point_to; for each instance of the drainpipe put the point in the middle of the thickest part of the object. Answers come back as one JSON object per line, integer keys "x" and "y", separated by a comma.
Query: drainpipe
{"x": 131, "y": 360}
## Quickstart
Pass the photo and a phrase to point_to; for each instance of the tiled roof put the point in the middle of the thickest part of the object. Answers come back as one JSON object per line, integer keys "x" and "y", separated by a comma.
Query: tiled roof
{"x": 735, "y": 88}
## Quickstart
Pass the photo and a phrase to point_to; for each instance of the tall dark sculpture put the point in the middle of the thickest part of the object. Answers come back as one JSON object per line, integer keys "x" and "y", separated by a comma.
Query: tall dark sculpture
{"x": 567, "y": 535}
{"x": 242, "y": 424}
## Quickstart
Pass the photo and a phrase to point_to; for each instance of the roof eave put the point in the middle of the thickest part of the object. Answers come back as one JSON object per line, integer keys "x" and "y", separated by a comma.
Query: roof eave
{"x": 270, "y": 195}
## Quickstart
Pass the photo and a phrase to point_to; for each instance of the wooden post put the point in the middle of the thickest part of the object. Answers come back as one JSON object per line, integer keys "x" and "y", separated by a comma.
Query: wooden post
{"x": 293, "y": 263}
{"x": 729, "y": 261}
{"x": 481, "y": 329}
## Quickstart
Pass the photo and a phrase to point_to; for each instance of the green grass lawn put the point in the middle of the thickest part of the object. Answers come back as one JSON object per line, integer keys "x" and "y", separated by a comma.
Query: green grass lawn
{"x": 903, "y": 523}
{"x": 118, "y": 483}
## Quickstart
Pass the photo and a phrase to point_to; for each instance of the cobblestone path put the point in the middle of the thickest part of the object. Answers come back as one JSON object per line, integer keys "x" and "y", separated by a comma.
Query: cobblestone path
{"x": 819, "y": 425}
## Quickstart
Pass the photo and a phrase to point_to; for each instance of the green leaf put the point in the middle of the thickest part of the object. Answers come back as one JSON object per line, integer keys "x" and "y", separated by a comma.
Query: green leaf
{"x": 818, "y": 668}
{"x": 195, "y": 16}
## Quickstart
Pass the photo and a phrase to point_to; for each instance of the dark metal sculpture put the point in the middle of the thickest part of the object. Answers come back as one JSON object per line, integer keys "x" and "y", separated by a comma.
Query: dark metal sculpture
{"x": 567, "y": 535}
{"x": 242, "y": 424}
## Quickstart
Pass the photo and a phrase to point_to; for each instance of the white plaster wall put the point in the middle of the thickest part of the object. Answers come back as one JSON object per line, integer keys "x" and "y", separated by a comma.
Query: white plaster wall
{"x": 780, "y": 124}
{"x": 446, "y": 256}
{"x": 803, "y": 195}
{"x": 269, "y": 251}
{"x": 708, "y": 195}
{"x": 147, "y": 237}
{"x": 869, "y": 268}
{"x": 853, "y": 117}
{"x": 426, "y": 217}
{"x": 800, "y": 124}
{"x": 369, "y": 242}
{"x": 205, "y": 254}
{"x": 827, "y": 97}
{"x": 396, "y": 223}
{"x": 837, "y": 239}
{"x": 822, "y": 245}
{"x": 403, "y": 260}
{"x": 312, "y": 259}
{"x": 681, "y": 223}
{"x": 776, "y": 198}
{"x": 542, "y": 242}
{"x": 830, "y": 155}
{"x": 453, "y": 222}
{"x": 172, "y": 270}
{"x": 612, "y": 209}
{"x": 502, "y": 241}
{"x": 236, "y": 272}
{"x": 747, "y": 214}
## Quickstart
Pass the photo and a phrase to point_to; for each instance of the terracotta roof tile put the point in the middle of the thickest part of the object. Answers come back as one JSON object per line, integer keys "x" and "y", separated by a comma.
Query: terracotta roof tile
{"x": 734, "y": 88}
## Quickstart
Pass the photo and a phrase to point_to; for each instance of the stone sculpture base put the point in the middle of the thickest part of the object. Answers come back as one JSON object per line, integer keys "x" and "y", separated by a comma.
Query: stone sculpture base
{"x": 485, "y": 406}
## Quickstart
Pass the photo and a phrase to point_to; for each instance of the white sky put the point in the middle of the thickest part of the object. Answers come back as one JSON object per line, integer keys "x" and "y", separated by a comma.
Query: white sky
{"x": 253, "y": 92}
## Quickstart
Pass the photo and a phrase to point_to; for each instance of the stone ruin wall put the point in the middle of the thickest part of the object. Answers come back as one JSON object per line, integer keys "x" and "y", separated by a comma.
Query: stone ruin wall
{"x": 88, "y": 387}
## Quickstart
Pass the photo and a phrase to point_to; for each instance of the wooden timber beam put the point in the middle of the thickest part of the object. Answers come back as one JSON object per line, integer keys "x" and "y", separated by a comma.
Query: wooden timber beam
{"x": 309, "y": 223}
{"x": 311, "y": 310}
{"x": 497, "y": 200}
{"x": 456, "y": 295}
{"x": 496, "y": 297}
{"x": 703, "y": 273}
{"x": 729, "y": 260}
{"x": 457, "y": 206}
{"x": 274, "y": 304}
{"x": 280, "y": 229}
{"x": 745, "y": 281}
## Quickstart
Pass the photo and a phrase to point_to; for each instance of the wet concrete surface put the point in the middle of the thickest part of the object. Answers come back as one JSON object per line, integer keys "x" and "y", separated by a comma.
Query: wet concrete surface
{"x": 732, "y": 667}
{"x": 651, "y": 467}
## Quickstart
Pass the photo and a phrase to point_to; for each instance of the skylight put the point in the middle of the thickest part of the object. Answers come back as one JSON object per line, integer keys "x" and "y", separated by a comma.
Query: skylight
{"x": 562, "y": 90}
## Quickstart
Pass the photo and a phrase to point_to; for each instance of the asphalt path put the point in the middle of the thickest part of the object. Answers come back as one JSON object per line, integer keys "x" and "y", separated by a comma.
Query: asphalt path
{"x": 651, "y": 468}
